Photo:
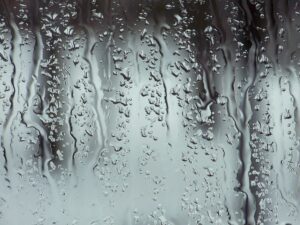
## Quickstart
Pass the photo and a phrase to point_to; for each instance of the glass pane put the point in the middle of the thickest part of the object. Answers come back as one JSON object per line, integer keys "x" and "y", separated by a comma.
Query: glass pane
{"x": 149, "y": 112}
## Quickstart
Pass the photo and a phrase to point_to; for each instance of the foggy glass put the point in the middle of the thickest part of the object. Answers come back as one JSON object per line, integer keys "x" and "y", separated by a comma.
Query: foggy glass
{"x": 149, "y": 112}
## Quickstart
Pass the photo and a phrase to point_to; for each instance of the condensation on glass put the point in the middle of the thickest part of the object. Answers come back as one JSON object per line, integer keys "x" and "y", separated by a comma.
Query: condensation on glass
{"x": 149, "y": 112}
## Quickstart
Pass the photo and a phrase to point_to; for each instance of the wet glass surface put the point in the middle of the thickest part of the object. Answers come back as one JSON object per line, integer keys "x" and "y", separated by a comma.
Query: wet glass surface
{"x": 149, "y": 112}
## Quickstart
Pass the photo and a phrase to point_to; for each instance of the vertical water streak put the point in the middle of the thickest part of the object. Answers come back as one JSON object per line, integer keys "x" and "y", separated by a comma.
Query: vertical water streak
{"x": 162, "y": 67}
{"x": 95, "y": 81}
{"x": 7, "y": 136}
